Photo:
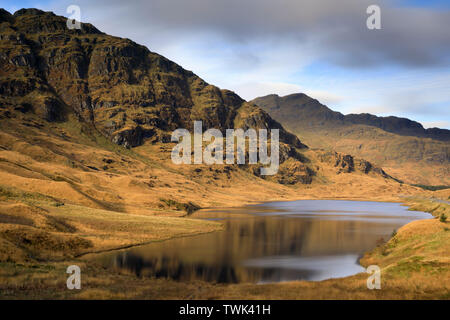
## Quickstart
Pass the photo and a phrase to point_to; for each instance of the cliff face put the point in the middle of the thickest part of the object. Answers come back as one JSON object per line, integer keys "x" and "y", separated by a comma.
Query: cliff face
{"x": 401, "y": 146}
{"x": 129, "y": 93}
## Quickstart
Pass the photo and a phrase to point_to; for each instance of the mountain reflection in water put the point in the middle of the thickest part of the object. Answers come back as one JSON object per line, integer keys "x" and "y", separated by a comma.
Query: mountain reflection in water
{"x": 297, "y": 240}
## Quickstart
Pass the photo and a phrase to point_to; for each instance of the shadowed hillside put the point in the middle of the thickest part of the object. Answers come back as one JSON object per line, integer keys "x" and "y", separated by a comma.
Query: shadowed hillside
{"x": 127, "y": 92}
{"x": 401, "y": 146}
{"x": 85, "y": 167}
{"x": 118, "y": 89}
{"x": 86, "y": 120}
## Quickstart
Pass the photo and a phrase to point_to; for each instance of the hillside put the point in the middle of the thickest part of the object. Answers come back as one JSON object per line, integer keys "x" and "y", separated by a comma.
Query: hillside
{"x": 85, "y": 125}
{"x": 401, "y": 146}
{"x": 85, "y": 167}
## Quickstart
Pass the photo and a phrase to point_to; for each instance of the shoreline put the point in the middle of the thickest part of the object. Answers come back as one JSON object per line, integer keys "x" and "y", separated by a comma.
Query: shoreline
{"x": 104, "y": 283}
{"x": 361, "y": 256}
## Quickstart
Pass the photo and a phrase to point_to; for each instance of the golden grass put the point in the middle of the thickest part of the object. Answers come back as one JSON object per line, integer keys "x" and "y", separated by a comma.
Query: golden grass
{"x": 50, "y": 232}
{"x": 434, "y": 206}
{"x": 64, "y": 192}
{"x": 415, "y": 265}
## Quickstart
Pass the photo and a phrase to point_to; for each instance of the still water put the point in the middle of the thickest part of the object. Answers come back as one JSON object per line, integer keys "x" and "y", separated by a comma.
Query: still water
{"x": 272, "y": 242}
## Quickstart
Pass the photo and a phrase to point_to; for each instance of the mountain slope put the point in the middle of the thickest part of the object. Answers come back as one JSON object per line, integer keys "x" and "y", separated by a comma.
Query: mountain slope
{"x": 401, "y": 146}
{"x": 85, "y": 151}
{"x": 122, "y": 90}
{"x": 126, "y": 91}
{"x": 85, "y": 166}
{"x": 316, "y": 114}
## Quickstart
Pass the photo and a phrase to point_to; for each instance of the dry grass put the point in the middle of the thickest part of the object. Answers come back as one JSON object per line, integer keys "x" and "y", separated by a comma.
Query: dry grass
{"x": 64, "y": 192}
{"x": 434, "y": 206}
{"x": 415, "y": 265}
{"x": 50, "y": 232}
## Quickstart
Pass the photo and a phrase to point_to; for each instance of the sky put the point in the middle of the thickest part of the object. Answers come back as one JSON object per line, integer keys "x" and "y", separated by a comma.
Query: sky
{"x": 319, "y": 47}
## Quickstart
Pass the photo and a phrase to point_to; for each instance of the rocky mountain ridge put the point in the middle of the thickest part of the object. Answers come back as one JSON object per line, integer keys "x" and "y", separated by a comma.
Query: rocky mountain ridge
{"x": 128, "y": 92}
{"x": 317, "y": 115}
{"x": 125, "y": 92}
{"x": 401, "y": 146}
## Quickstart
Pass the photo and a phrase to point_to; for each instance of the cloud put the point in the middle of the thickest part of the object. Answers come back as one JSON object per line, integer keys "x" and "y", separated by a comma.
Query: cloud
{"x": 417, "y": 93}
{"x": 258, "y": 47}
{"x": 409, "y": 36}
{"x": 258, "y": 89}
{"x": 325, "y": 97}
{"x": 436, "y": 124}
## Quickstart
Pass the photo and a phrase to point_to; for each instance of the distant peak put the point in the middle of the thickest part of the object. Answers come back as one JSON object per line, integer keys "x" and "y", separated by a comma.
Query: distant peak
{"x": 272, "y": 95}
{"x": 296, "y": 95}
{"x": 5, "y": 15}
{"x": 26, "y": 22}
{"x": 31, "y": 12}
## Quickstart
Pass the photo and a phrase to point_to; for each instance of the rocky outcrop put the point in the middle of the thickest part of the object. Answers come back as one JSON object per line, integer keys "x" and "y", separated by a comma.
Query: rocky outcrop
{"x": 345, "y": 163}
{"x": 292, "y": 172}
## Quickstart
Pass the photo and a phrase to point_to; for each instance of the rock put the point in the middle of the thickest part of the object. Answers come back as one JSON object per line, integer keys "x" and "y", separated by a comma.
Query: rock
{"x": 128, "y": 137}
{"x": 363, "y": 165}
{"x": 50, "y": 109}
{"x": 347, "y": 163}
{"x": 292, "y": 172}
{"x": 344, "y": 163}
{"x": 5, "y": 16}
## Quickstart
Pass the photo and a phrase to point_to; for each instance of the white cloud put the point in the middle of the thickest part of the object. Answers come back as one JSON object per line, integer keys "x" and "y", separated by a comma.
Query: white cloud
{"x": 252, "y": 90}
{"x": 258, "y": 47}
{"x": 436, "y": 124}
{"x": 325, "y": 97}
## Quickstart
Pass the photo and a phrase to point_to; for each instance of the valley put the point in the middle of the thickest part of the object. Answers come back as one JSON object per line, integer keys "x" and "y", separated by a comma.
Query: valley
{"x": 85, "y": 167}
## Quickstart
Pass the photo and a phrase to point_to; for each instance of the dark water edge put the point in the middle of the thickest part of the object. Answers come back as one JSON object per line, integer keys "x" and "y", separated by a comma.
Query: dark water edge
{"x": 272, "y": 242}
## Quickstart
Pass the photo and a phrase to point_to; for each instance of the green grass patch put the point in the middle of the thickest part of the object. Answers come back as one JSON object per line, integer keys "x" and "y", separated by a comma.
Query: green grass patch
{"x": 416, "y": 264}
{"x": 431, "y": 188}
{"x": 188, "y": 207}
{"x": 11, "y": 193}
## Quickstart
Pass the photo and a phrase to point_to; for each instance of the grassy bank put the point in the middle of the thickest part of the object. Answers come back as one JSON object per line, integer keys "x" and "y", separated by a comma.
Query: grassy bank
{"x": 415, "y": 265}
{"x": 46, "y": 231}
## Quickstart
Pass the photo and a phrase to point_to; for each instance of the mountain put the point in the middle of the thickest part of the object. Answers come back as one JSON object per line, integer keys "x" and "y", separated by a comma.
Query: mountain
{"x": 315, "y": 114}
{"x": 127, "y": 92}
{"x": 85, "y": 151}
{"x": 124, "y": 91}
{"x": 118, "y": 89}
{"x": 85, "y": 167}
{"x": 401, "y": 146}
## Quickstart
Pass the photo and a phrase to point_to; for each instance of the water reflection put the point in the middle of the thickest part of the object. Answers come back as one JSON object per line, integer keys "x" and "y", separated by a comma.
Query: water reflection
{"x": 310, "y": 240}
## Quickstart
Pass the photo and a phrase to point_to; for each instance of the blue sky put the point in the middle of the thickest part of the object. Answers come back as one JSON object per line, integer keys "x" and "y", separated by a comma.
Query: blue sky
{"x": 425, "y": 3}
{"x": 259, "y": 47}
